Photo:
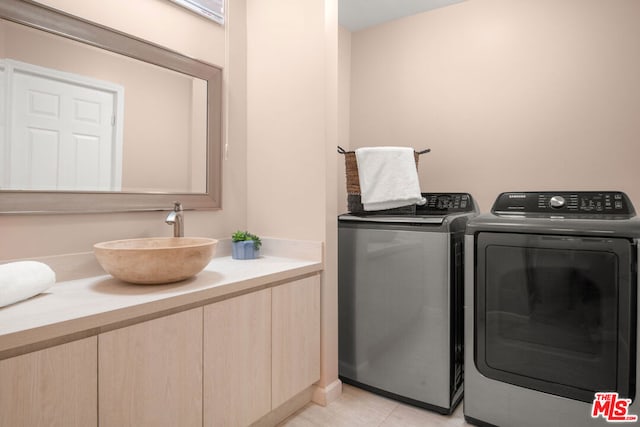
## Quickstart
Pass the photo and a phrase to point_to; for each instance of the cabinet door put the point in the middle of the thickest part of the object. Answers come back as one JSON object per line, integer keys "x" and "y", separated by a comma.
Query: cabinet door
{"x": 56, "y": 386}
{"x": 296, "y": 338}
{"x": 237, "y": 360}
{"x": 150, "y": 374}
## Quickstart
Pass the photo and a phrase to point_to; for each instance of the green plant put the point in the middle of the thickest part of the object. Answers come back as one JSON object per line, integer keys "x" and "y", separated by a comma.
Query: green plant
{"x": 241, "y": 236}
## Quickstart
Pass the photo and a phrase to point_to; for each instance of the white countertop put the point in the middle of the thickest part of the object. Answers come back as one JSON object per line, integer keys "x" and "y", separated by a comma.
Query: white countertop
{"x": 87, "y": 306}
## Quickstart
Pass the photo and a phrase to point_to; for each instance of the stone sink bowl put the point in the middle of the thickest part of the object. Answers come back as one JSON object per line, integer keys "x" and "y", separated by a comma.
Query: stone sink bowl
{"x": 155, "y": 260}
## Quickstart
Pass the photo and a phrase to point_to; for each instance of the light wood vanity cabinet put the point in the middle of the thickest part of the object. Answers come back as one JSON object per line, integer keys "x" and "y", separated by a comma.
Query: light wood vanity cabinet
{"x": 53, "y": 387}
{"x": 296, "y": 338}
{"x": 228, "y": 363}
{"x": 237, "y": 360}
{"x": 150, "y": 374}
{"x": 260, "y": 350}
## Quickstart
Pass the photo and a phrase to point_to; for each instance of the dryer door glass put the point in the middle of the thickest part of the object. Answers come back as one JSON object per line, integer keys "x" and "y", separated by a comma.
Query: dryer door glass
{"x": 553, "y": 313}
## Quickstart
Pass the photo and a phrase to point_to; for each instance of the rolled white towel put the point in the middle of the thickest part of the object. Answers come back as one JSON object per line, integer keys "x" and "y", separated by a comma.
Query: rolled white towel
{"x": 23, "y": 279}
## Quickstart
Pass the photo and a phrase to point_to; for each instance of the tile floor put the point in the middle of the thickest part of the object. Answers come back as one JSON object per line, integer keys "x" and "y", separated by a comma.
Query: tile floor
{"x": 359, "y": 408}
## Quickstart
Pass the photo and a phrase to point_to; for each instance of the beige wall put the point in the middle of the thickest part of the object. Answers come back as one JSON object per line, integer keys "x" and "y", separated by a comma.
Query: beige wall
{"x": 329, "y": 382}
{"x": 3, "y": 40}
{"x": 292, "y": 134}
{"x": 166, "y": 24}
{"x": 344, "y": 109}
{"x": 286, "y": 113}
{"x": 509, "y": 95}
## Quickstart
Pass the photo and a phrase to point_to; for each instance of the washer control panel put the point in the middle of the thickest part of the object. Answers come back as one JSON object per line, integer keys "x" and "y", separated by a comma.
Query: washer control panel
{"x": 444, "y": 203}
{"x": 562, "y": 203}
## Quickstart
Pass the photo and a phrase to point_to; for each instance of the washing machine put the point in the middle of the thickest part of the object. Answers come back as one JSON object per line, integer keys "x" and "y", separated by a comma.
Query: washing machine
{"x": 400, "y": 301}
{"x": 551, "y": 310}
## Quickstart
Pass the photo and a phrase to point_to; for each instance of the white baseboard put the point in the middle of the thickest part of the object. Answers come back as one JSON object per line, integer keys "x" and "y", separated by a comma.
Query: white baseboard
{"x": 325, "y": 395}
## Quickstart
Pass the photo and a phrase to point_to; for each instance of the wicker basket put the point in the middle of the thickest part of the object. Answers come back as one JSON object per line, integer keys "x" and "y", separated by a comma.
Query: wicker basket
{"x": 354, "y": 203}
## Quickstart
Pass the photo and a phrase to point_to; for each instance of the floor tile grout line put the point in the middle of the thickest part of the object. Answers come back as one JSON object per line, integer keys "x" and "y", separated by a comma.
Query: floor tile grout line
{"x": 396, "y": 406}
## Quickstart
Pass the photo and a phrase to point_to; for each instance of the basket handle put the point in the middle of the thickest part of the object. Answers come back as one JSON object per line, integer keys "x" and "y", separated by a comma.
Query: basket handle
{"x": 343, "y": 151}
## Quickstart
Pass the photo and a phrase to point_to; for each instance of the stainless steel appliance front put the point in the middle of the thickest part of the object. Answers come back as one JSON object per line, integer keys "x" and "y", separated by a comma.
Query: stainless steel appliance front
{"x": 400, "y": 305}
{"x": 550, "y": 308}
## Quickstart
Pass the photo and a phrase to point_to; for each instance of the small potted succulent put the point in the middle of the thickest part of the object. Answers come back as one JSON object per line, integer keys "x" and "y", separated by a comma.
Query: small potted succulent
{"x": 245, "y": 245}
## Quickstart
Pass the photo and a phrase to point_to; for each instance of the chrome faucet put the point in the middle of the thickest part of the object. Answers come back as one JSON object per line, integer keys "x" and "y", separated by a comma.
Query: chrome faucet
{"x": 176, "y": 218}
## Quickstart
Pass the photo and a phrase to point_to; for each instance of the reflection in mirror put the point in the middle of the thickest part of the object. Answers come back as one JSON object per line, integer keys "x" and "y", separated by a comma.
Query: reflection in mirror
{"x": 81, "y": 118}
{"x": 85, "y": 110}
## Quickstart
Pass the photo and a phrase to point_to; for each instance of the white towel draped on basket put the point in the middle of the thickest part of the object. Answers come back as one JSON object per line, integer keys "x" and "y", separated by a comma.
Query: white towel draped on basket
{"x": 24, "y": 279}
{"x": 388, "y": 177}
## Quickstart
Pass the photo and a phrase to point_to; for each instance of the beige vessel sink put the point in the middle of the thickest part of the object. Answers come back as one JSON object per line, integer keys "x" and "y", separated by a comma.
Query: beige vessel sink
{"x": 155, "y": 260}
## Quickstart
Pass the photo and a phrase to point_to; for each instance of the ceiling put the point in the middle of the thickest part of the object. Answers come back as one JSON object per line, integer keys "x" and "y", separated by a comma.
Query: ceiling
{"x": 356, "y": 15}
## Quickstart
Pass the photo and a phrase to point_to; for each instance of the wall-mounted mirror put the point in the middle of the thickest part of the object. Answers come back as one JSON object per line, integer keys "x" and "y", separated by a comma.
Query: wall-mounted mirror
{"x": 93, "y": 120}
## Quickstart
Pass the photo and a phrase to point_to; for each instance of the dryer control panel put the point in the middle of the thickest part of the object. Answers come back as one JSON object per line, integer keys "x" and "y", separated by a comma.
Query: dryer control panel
{"x": 548, "y": 203}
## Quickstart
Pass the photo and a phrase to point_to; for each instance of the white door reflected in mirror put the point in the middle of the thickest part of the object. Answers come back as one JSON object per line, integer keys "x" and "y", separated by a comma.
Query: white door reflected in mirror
{"x": 64, "y": 130}
{"x": 64, "y": 96}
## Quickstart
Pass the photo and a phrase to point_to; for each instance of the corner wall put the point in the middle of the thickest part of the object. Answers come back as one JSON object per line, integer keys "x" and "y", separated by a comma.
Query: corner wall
{"x": 286, "y": 118}
{"x": 291, "y": 138}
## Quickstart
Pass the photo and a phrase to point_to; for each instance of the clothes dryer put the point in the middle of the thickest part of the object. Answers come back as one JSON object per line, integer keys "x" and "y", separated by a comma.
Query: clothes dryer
{"x": 551, "y": 310}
